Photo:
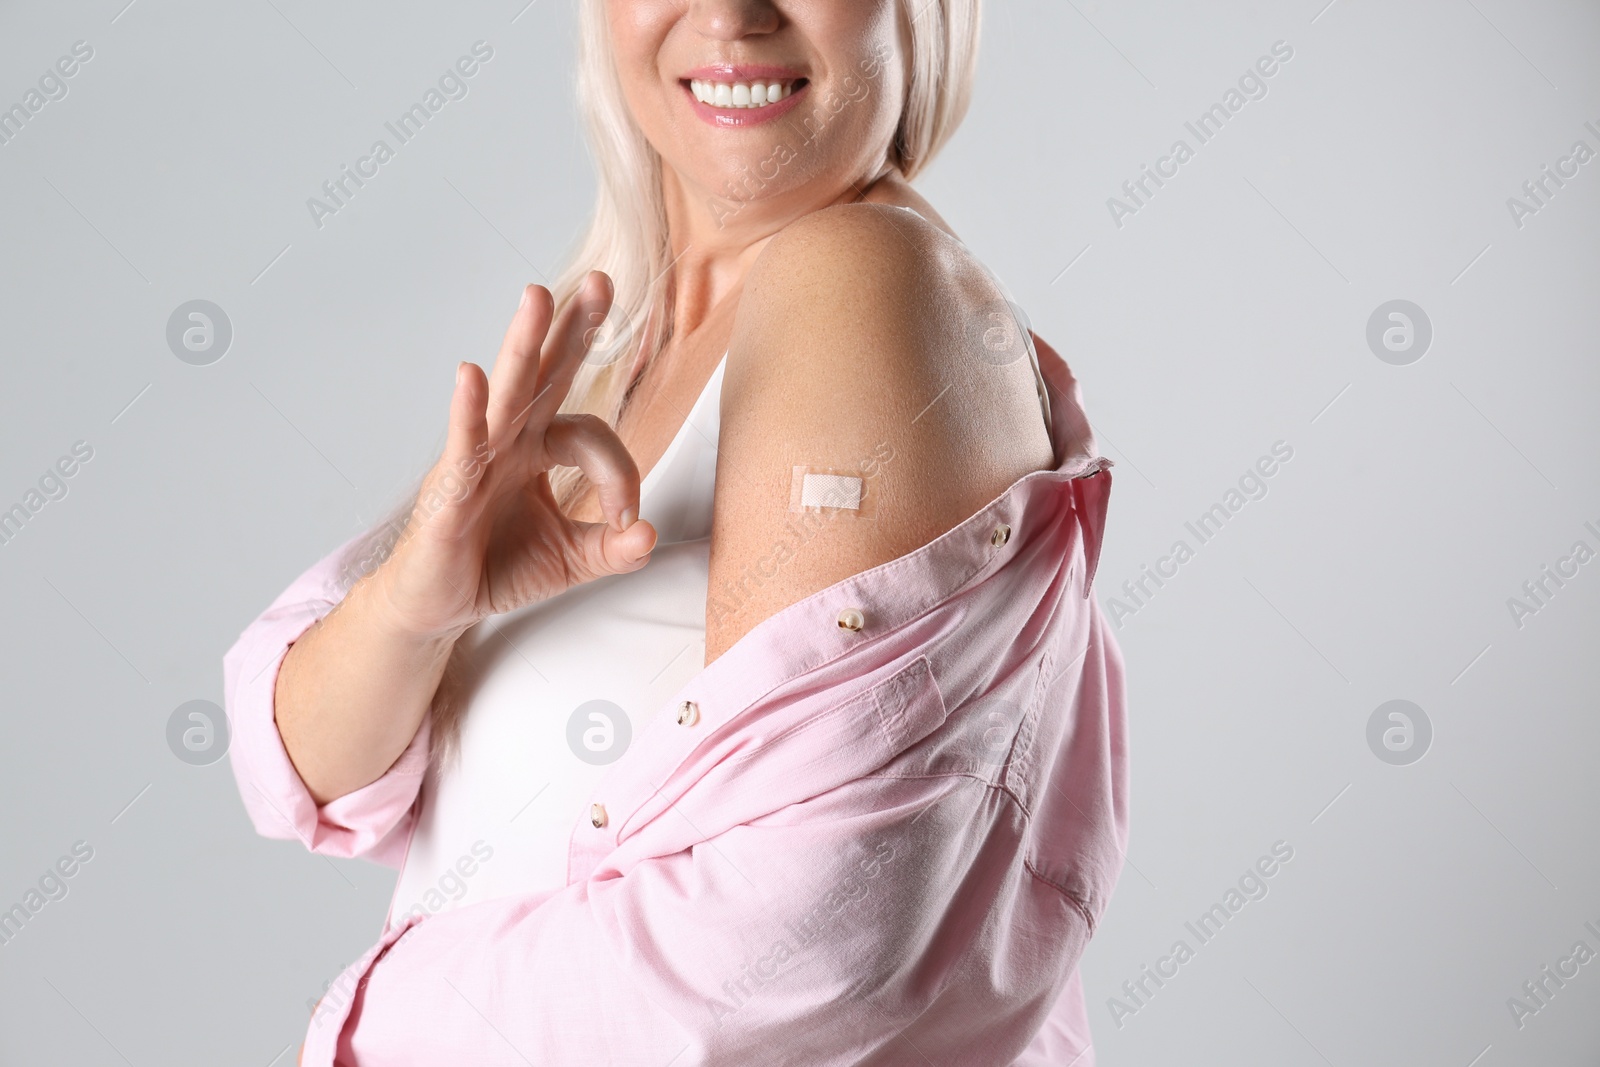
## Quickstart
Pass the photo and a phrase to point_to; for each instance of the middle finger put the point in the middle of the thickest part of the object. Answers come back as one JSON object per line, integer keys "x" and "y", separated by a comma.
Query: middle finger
{"x": 566, "y": 345}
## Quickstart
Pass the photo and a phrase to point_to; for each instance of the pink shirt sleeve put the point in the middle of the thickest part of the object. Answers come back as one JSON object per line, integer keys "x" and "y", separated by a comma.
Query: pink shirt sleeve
{"x": 375, "y": 821}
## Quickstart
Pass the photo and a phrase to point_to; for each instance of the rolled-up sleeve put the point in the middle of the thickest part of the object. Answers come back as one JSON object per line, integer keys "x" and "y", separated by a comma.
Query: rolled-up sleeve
{"x": 375, "y": 821}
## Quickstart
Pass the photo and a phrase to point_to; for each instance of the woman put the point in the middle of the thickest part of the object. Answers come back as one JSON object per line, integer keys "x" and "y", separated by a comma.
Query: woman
{"x": 806, "y": 748}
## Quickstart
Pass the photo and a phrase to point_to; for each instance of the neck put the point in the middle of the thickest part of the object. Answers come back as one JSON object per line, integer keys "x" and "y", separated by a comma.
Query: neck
{"x": 715, "y": 241}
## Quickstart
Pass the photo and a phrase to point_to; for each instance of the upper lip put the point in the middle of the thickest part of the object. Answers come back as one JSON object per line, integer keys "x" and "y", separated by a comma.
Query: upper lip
{"x": 742, "y": 72}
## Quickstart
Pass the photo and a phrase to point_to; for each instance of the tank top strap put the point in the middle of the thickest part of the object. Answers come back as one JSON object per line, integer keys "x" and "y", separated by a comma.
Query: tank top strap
{"x": 678, "y": 493}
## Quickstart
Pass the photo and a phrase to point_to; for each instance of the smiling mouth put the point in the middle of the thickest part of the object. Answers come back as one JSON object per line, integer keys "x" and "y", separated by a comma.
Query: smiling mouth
{"x": 743, "y": 95}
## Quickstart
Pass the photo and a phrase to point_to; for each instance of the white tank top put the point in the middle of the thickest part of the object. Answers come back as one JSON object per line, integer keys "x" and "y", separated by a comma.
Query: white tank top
{"x": 558, "y": 690}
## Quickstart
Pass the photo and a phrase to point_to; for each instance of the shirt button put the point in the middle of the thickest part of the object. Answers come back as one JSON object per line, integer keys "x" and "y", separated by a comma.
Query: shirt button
{"x": 688, "y": 713}
{"x": 597, "y": 815}
{"x": 1002, "y": 534}
{"x": 851, "y": 619}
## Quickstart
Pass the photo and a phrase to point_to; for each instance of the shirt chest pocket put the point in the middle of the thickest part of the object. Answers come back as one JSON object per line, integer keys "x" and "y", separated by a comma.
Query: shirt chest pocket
{"x": 851, "y": 738}
{"x": 754, "y": 772}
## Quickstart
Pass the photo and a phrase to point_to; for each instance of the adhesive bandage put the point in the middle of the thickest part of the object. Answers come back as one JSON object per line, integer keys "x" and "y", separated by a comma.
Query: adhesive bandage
{"x": 827, "y": 490}
{"x": 830, "y": 490}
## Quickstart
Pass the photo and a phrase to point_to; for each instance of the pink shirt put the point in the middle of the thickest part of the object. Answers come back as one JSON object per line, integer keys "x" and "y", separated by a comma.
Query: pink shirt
{"x": 881, "y": 846}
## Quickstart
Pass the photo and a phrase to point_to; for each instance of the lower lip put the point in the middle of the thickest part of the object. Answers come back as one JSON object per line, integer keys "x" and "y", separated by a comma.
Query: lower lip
{"x": 731, "y": 117}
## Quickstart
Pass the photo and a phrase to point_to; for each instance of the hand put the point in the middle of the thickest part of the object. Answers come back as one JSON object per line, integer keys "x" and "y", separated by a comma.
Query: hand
{"x": 486, "y": 535}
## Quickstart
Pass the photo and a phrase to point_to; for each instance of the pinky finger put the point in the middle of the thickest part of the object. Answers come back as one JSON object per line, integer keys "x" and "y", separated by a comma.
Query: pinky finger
{"x": 466, "y": 452}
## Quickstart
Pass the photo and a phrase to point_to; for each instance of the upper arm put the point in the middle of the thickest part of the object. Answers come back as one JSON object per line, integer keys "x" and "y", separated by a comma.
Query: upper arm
{"x": 859, "y": 348}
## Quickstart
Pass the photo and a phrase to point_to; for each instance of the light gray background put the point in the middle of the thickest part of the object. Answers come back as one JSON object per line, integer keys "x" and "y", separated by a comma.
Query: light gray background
{"x": 1228, "y": 314}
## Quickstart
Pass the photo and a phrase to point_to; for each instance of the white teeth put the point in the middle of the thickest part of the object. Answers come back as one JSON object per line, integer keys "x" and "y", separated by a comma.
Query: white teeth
{"x": 739, "y": 94}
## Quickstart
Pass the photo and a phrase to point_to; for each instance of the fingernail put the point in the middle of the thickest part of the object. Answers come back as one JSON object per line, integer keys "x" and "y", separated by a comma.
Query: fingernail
{"x": 647, "y": 551}
{"x": 461, "y": 369}
{"x": 629, "y": 517}
{"x": 524, "y": 302}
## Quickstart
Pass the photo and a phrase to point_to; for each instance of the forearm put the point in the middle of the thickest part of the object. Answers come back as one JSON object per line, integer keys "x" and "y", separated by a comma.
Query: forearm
{"x": 352, "y": 692}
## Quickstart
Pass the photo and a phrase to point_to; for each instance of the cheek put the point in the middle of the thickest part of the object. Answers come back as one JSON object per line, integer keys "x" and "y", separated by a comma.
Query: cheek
{"x": 860, "y": 112}
{"x": 641, "y": 39}
{"x": 638, "y": 31}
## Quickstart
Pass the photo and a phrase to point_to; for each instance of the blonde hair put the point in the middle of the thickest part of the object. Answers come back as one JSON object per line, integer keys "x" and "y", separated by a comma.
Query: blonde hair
{"x": 627, "y": 237}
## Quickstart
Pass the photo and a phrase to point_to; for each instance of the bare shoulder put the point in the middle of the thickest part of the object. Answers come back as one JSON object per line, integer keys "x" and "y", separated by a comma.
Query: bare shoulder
{"x": 866, "y": 408}
{"x": 832, "y": 265}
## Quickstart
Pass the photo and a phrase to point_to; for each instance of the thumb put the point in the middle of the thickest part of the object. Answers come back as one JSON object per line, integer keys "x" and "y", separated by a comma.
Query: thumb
{"x": 608, "y": 550}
